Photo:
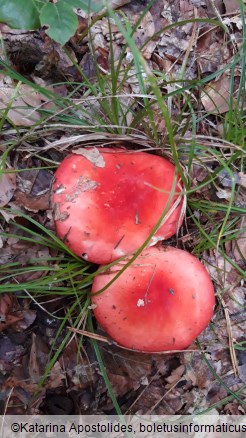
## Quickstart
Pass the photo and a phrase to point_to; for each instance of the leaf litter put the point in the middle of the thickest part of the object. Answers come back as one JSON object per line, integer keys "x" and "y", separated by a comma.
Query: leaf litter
{"x": 181, "y": 383}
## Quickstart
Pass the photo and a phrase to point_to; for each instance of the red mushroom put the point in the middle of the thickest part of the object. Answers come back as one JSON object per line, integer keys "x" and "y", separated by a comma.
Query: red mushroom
{"x": 106, "y": 203}
{"x": 161, "y": 302}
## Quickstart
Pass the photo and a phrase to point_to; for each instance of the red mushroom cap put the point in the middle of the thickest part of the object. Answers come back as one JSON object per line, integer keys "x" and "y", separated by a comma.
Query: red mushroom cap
{"x": 107, "y": 203}
{"x": 161, "y": 302}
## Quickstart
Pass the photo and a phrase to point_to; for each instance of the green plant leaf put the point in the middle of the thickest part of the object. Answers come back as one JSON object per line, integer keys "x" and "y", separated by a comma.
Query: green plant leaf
{"x": 20, "y": 14}
{"x": 87, "y": 5}
{"x": 60, "y": 19}
{"x": 40, "y": 3}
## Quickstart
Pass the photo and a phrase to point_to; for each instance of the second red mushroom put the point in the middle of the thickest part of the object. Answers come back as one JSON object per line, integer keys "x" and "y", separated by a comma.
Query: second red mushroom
{"x": 162, "y": 301}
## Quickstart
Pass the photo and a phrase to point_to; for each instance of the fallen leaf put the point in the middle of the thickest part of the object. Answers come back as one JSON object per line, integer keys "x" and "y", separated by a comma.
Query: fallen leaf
{"x": 7, "y": 318}
{"x": 228, "y": 179}
{"x": 56, "y": 377}
{"x": 210, "y": 54}
{"x": 115, "y": 4}
{"x": 15, "y": 320}
{"x": 21, "y": 103}
{"x": 224, "y": 194}
{"x": 25, "y": 318}
{"x": 233, "y": 408}
{"x": 93, "y": 155}
{"x": 33, "y": 189}
{"x": 145, "y": 30}
{"x": 10, "y": 320}
{"x": 242, "y": 179}
{"x": 235, "y": 299}
{"x": 175, "y": 375}
{"x": 120, "y": 384}
{"x": 237, "y": 20}
{"x": 9, "y": 350}
{"x": 231, "y": 6}
{"x": 220, "y": 270}
{"x": 239, "y": 244}
{"x": 6, "y": 303}
{"x": 7, "y": 187}
{"x": 23, "y": 252}
{"x": 216, "y": 95}
{"x": 18, "y": 384}
{"x": 9, "y": 215}
{"x": 213, "y": 7}
{"x": 32, "y": 203}
{"x": 38, "y": 358}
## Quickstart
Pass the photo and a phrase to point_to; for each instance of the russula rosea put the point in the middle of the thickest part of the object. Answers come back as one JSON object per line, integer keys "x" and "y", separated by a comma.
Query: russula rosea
{"x": 161, "y": 302}
{"x": 106, "y": 203}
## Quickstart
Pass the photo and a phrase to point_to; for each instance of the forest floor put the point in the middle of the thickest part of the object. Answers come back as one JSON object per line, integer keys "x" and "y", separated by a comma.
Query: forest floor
{"x": 53, "y": 98}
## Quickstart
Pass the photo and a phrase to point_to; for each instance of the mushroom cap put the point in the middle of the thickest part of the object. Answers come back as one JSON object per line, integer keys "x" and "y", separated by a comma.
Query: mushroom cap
{"x": 161, "y": 302}
{"x": 106, "y": 203}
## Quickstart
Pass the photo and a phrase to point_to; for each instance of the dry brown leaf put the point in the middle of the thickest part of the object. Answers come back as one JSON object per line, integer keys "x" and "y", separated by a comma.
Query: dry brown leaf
{"x": 239, "y": 244}
{"x": 7, "y": 187}
{"x": 120, "y": 384}
{"x": 146, "y": 30}
{"x": 235, "y": 299}
{"x": 214, "y": 7}
{"x": 216, "y": 95}
{"x": 32, "y": 203}
{"x": 175, "y": 376}
{"x": 115, "y": 4}
{"x": 56, "y": 377}
{"x": 242, "y": 179}
{"x": 19, "y": 112}
{"x": 10, "y": 320}
{"x": 38, "y": 358}
{"x": 79, "y": 369}
{"x": 231, "y": 6}
{"x": 30, "y": 96}
{"x": 242, "y": 372}
{"x": 13, "y": 382}
{"x": 10, "y": 351}
{"x": 25, "y": 318}
{"x": 220, "y": 270}
{"x": 224, "y": 194}
{"x": 23, "y": 251}
{"x": 10, "y": 216}
{"x": 230, "y": 21}
{"x": 233, "y": 408}
{"x": 191, "y": 375}
{"x": 33, "y": 189}
{"x": 210, "y": 54}
{"x": 6, "y": 318}
{"x": 93, "y": 155}
{"x": 6, "y": 303}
